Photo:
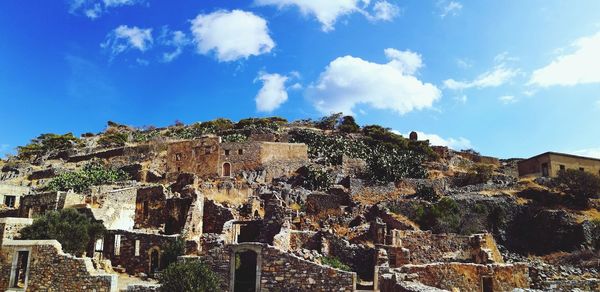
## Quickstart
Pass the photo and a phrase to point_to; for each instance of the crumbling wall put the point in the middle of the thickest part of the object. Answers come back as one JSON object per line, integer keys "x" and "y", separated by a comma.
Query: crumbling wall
{"x": 126, "y": 257}
{"x": 115, "y": 207}
{"x": 215, "y": 216}
{"x": 149, "y": 206}
{"x": 10, "y": 228}
{"x": 469, "y": 277}
{"x": 36, "y": 205}
{"x": 280, "y": 271}
{"x": 200, "y": 157}
{"x": 52, "y": 270}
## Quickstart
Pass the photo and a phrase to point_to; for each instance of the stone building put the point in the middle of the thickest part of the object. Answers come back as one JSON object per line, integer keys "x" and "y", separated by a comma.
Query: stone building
{"x": 549, "y": 164}
{"x": 209, "y": 157}
{"x": 38, "y": 204}
{"x": 10, "y": 195}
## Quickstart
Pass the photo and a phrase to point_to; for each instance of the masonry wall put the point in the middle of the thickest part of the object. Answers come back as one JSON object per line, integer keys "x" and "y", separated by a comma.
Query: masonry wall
{"x": 36, "y": 205}
{"x": 12, "y": 190}
{"x": 468, "y": 277}
{"x": 127, "y": 258}
{"x": 280, "y": 271}
{"x": 10, "y": 228}
{"x": 533, "y": 166}
{"x": 200, "y": 156}
{"x": 155, "y": 200}
{"x": 52, "y": 270}
{"x": 116, "y": 208}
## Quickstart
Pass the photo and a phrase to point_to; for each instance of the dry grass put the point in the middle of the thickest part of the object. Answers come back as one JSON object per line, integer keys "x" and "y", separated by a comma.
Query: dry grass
{"x": 590, "y": 214}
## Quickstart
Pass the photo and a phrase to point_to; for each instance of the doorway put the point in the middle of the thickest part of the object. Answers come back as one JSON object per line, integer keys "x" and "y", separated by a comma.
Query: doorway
{"x": 487, "y": 285}
{"x": 226, "y": 169}
{"x": 245, "y": 271}
{"x": 154, "y": 261}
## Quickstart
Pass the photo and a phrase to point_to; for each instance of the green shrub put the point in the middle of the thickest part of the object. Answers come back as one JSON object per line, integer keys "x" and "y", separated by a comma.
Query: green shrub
{"x": 188, "y": 276}
{"x": 477, "y": 174}
{"x": 441, "y": 217}
{"x": 46, "y": 143}
{"x": 329, "y": 122}
{"x": 315, "y": 178}
{"x": 72, "y": 229}
{"x": 348, "y": 125}
{"x": 114, "y": 139}
{"x": 234, "y": 138}
{"x": 581, "y": 186}
{"x": 92, "y": 174}
{"x": 173, "y": 250}
{"x": 271, "y": 123}
{"x": 335, "y": 263}
{"x": 427, "y": 193}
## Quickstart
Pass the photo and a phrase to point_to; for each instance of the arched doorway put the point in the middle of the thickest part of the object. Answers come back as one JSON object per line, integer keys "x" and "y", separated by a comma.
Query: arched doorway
{"x": 226, "y": 169}
{"x": 245, "y": 271}
{"x": 153, "y": 260}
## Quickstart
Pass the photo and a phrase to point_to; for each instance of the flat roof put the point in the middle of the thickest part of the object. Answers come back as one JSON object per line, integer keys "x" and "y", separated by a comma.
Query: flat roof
{"x": 563, "y": 154}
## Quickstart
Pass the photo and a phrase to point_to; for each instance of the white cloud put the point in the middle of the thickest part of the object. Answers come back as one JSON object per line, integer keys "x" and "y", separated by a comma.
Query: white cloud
{"x": 499, "y": 75}
{"x": 273, "y": 92}
{"x": 580, "y": 67}
{"x": 464, "y": 63}
{"x": 507, "y": 99}
{"x": 451, "y": 8}
{"x": 436, "y": 140}
{"x": 329, "y": 11}
{"x": 349, "y": 81}
{"x": 96, "y": 8}
{"x": 177, "y": 40}
{"x": 231, "y": 35}
{"x": 590, "y": 152}
{"x": 384, "y": 10}
{"x": 124, "y": 38}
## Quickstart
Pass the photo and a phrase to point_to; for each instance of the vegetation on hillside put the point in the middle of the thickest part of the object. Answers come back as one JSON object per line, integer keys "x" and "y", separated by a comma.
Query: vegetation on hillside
{"x": 581, "y": 186}
{"x": 189, "y": 276}
{"x": 46, "y": 143}
{"x": 91, "y": 174}
{"x": 72, "y": 229}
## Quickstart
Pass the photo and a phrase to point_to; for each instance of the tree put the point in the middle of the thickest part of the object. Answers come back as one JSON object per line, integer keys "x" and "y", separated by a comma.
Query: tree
{"x": 173, "y": 250}
{"x": 72, "y": 229}
{"x": 349, "y": 125}
{"x": 329, "y": 122}
{"x": 580, "y": 185}
{"x": 188, "y": 276}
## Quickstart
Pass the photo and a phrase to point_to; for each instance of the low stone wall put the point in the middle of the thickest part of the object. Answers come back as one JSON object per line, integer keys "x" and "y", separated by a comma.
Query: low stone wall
{"x": 470, "y": 277}
{"x": 35, "y": 205}
{"x": 52, "y": 270}
{"x": 279, "y": 271}
{"x": 572, "y": 285}
{"x": 10, "y": 227}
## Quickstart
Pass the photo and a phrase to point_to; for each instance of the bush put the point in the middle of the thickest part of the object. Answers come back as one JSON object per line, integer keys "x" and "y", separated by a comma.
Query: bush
{"x": 92, "y": 174}
{"x": 114, "y": 139}
{"x": 349, "y": 125}
{"x": 234, "y": 138}
{"x": 335, "y": 263}
{"x": 315, "y": 178}
{"x": 581, "y": 186}
{"x": 272, "y": 123}
{"x": 46, "y": 143}
{"x": 477, "y": 174}
{"x": 172, "y": 251}
{"x": 329, "y": 122}
{"x": 427, "y": 193}
{"x": 442, "y": 217}
{"x": 188, "y": 276}
{"x": 72, "y": 229}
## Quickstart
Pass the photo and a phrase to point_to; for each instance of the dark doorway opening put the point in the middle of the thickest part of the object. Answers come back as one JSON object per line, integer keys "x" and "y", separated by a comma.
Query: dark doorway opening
{"x": 487, "y": 285}
{"x": 20, "y": 271}
{"x": 226, "y": 169}
{"x": 154, "y": 261}
{"x": 245, "y": 272}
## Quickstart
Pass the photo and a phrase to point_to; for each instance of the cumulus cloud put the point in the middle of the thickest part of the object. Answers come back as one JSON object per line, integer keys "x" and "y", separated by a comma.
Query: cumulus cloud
{"x": 96, "y": 8}
{"x": 124, "y": 38}
{"x": 507, "y": 99}
{"x": 451, "y": 8}
{"x": 328, "y": 12}
{"x": 273, "y": 92}
{"x": 579, "y": 67}
{"x": 500, "y": 74}
{"x": 176, "y": 40}
{"x": 349, "y": 81}
{"x": 231, "y": 35}
{"x": 436, "y": 140}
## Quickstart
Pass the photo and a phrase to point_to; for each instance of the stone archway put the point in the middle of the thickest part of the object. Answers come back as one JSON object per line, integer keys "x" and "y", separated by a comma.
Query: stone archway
{"x": 246, "y": 262}
{"x": 154, "y": 258}
{"x": 226, "y": 169}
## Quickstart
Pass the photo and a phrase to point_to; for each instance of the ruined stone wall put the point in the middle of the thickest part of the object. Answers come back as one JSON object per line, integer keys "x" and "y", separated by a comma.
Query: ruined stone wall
{"x": 149, "y": 207}
{"x": 425, "y": 247}
{"x": 175, "y": 214}
{"x": 36, "y": 205}
{"x": 200, "y": 157}
{"x": 215, "y": 216}
{"x": 280, "y": 271}
{"x": 283, "y": 151}
{"x": 127, "y": 258}
{"x": 115, "y": 207}
{"x": 10, "y": 227}
{"x": 468, "y": 277}
{"x": 300, "y": 239}
{"x": 52, "y": 270}
{"x": 231, "y": 192}
{"x": 359, "y": 257}
{"x": 241, "y": 156}
{"x": 13, "y": 190}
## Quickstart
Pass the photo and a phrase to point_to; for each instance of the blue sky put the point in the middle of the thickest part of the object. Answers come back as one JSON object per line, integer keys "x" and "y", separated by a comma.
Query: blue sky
{"x": 507, "y": 78}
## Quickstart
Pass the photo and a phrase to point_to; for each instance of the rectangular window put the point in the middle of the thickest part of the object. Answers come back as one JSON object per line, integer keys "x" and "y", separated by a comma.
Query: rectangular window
{"x": 226, "y": 152}
{"x": 117, "y": 244}
{"x": 207, "y": 150}
{"x": 241, "y": 151}
{"x": 9, "y": 201}
{"x": 562, "y": 167}
{"x": 99, "y": 246}
{"x": 545, "y": 171}
{"x": 145, "y": 210}
{"x": 20, "y": 269}
{"x": 582, "y": 169}
{"x": 137, "y": 248}
{"x": 178, "y": 157}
